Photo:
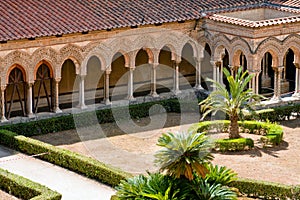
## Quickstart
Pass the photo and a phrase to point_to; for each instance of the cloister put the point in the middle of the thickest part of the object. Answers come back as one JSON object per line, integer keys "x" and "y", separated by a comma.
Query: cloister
{"x": 60, "y": 71}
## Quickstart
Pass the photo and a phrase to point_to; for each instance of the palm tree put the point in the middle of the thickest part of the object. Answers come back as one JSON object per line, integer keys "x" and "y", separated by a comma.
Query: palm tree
{"x": 184, "y": 154}
{"x": 235, "y": 102}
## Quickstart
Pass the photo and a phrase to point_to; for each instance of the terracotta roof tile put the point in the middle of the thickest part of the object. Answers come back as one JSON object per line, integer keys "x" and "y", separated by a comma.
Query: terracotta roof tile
{"x": 35, "y": 18}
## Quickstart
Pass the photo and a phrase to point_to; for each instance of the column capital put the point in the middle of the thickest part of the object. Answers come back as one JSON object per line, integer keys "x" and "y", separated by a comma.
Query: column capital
{"x": 30, "y": 84}
{"x": 154, "y": 65}
{"x": 297, "y": 65}
{"x": 198, "y": 59}
{"x": 57, "y": 79}
{"x": 107, "y": 72}
{"x": 3, "y": 87}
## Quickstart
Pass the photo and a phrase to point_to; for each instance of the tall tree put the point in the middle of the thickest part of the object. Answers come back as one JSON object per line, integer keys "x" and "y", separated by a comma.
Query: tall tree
{"x": 235, "y": 103}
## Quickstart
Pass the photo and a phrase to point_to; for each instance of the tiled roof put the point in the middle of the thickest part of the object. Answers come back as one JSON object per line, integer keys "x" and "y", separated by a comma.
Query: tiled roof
{"x": 22, "y": 19}
{"x": 254, "y": 24}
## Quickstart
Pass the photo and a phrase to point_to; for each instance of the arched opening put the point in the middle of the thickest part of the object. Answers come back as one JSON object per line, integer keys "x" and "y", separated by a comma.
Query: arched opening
{"x": 288, "y": 83}
{"x": 67, "y": 84}
{"x": 165, "y": 71}
{"x": 187, "y": 66}
{"x": 94, "y": 82}
{"x": 15, "y": 93}
{"x": 142, "y": 74}
{"x": 225, "y": 61}
{"x": 43, "y": 90}
{"x": 243, "y": 61}
{"x": 206, "y": 67}
{"x": 117, "y": 81}
{"x": 266, "y": 77}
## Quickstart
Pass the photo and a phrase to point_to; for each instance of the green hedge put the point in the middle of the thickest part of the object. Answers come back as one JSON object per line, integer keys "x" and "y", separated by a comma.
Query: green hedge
{"x": 24, "y": 188}
{"x": 239, "y": 144}
{"x": 266, "y": 190}
{"x": 66, "y": 122}
{"x": 272, "y": 133}
{"x": 73, "y": 161}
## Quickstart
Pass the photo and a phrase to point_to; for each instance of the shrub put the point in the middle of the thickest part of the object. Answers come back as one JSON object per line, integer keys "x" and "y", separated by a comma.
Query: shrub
{"x": 220, "y": 175}
{"x": 273, "y": 133}
{"x": 65, "y": 158}
{"x": 266, "y": 190}
{"x": 24, "y": 188}
{"x": 239, "y": 144}
{"x": 85, "y": 119}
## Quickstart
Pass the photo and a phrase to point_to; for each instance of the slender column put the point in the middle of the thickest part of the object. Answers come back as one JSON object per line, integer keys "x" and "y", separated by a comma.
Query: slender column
{"x": 214, "y": 65}
{"x": 29, "y": 100}
{"x": 81, "y": 104}
{"x": 297, "y": 79}
{"x": 176, "y": 79}
{"x": 56, "y": 103}
{"x": 130, "y": 84}
{"x": 257, "y": 82}
{"x": 277, "y": 83}
{"x": 280, "y": 69}
{"x": 153, "y": 80}
{"x": 198, "y": 73}
{"x": 221, "y": 73}
{"x": 106, "y": 88}
{"x": 3, "y": 118}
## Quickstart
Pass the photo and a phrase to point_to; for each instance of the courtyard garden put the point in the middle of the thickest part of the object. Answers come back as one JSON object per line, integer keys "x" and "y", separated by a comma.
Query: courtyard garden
{"x": 221, "y": 159}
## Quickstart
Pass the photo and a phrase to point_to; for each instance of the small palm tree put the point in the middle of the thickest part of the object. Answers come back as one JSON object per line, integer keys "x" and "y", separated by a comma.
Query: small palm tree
{"x": 184, "y": 154}
{"x": 235, "y": 102}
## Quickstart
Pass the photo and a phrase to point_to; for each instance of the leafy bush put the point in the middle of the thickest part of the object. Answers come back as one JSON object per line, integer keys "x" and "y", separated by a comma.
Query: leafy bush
{"x": 220, "y": 175}
{"x": 272, "y": 133}
{"x": 153, "y": 186}
{"x": 24, "y": 188}
{"x": 266, "y": 190}
{"x": 239, "y": 144}
{"x": 85, "y": 119}
{"x": 64, "y": 158}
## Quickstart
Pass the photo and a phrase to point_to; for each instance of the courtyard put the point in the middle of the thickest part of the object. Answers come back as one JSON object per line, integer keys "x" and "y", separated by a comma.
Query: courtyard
{"x": 134, "y": 152}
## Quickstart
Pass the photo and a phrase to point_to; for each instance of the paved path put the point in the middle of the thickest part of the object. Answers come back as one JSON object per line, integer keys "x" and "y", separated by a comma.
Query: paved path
{"x": 71, "y": 185}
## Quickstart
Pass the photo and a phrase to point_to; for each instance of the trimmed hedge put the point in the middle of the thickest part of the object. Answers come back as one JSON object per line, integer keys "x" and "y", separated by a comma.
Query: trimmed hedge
{"x": 239, "y": 144}
{"x": 89, "y": 167}
{"x": 24, "y": 188}
{"x": 272, "y": 133}
{"x": 66, "y": 122}
{"x": 266, "y": 190}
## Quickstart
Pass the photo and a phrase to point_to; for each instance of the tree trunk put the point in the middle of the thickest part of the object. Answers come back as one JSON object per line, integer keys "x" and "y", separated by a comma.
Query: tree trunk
{"x": 234, "y": 127}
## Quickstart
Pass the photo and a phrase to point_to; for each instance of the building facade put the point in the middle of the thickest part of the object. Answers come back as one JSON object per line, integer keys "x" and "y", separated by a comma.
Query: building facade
{"x": 54, "y": 55}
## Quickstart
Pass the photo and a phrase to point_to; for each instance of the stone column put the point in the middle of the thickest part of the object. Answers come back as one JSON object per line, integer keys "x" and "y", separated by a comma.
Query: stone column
{"x": 198, "y": 73}
{"x": 257, "y": 82}
{"x": 297, "y": 81}
{"x": 214, "y": 66}
{"x": 153, "y": 80}
{"x": 277, "y": 83}
{"x": 56, "y": 102}
{"x": 29, "y": 100}
{"x": 176, "y": 89}
{"x": 81, "y": 104}
{"x": 3, "y": 118}
{"x": 106, "y": 88}
{"x": 130, "y": 84}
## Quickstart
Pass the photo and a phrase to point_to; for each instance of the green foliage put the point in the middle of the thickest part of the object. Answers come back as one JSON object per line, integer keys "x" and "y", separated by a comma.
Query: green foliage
{"x": 235, "y": 102}
{"x": 238, "y": 144}
{"x": 153, "y": 186}
{"x": 266, "y": 190}
{"x": 220, "y": 175}
{"x": 272, "y": 133}
{"x": 207, "y": 191}
{"x": 184, "y": 153}
{"x": 24, "y": 188}
{"x": 67, "y": 122}
{"x": 65, "y": 158}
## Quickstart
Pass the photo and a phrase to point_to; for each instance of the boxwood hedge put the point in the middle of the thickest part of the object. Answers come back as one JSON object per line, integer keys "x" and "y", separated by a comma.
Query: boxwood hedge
{"x": 73, "y": 161}
{"x": 24, "y": 188}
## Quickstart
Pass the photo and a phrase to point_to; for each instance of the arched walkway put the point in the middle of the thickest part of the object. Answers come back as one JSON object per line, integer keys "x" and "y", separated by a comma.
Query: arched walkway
{"x": 142, "y": 74}
{"x": 165, "y": 71}
{"x": 67, "y": 85}
{"x": 94, "y": 82}
{"x": 118, "y": 80}
{"x": 187, "y": 66}
{"x": 15, "y": 93}
{"x": 43, "y": 90}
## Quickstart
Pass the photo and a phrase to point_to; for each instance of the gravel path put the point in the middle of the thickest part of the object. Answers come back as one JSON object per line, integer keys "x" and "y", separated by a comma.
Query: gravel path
{"x": 134, "y": 152}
